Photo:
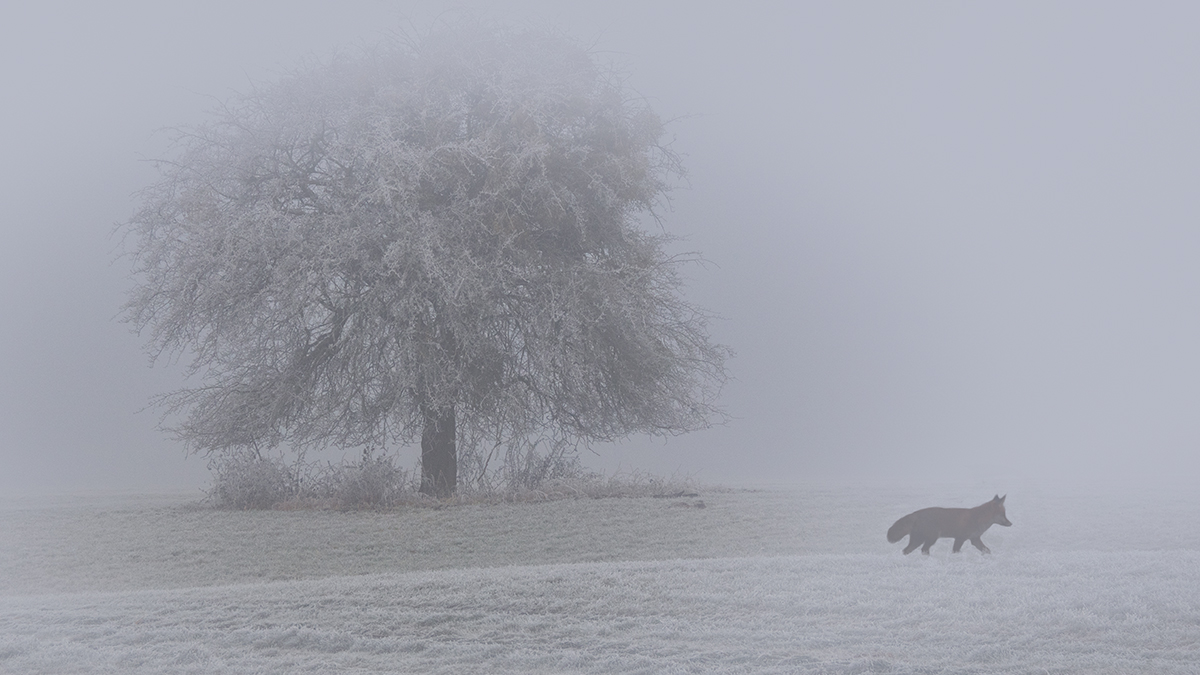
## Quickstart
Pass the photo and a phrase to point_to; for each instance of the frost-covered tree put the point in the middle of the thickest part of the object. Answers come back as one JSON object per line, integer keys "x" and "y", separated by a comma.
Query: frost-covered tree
{"x": 437, "y": 239}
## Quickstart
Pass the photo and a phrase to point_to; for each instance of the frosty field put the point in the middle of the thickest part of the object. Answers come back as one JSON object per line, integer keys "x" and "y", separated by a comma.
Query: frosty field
{"x": 777, "y": 580}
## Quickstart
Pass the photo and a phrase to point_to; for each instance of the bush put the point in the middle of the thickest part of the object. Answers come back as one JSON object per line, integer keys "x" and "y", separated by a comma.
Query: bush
{"x": 527, "y": 469}
{"x": 372, "y": 483}
{"x": 249, "y": 481}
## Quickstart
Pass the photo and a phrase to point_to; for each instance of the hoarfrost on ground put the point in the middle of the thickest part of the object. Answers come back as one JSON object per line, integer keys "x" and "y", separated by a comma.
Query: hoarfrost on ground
{"x": 782, "y": 580}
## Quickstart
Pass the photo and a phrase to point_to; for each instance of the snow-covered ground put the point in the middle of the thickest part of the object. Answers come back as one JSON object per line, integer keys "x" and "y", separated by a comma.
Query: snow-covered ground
{"x": 787, "y": 580}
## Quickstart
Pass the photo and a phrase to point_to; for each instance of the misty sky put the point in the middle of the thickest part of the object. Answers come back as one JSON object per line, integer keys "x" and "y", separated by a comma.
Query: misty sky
{"x": 949, "y": 240}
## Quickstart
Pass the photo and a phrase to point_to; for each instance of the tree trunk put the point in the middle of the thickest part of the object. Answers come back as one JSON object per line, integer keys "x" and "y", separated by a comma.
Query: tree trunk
{"x": 439, "y": 455}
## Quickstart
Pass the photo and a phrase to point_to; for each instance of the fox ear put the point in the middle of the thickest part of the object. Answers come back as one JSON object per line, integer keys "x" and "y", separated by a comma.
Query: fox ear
{"x": 1002, "y": 498}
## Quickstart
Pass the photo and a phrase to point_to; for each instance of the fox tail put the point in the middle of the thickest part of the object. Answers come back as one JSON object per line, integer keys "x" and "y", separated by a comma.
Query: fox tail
{"x": 901, "y": 528}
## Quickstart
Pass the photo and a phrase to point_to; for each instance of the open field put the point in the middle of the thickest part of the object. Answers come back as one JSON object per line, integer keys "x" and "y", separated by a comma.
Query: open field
{"x": 787, "y": 580}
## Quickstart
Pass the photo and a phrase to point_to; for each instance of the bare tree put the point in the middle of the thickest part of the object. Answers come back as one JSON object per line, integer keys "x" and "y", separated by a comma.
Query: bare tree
{"x": 437, "y": 239}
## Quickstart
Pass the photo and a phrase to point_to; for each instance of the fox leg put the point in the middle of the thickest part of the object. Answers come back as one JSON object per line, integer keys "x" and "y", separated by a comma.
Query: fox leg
{"x": 958, "y": 542}
{"x": 978, "y": 543}
{"x": 929, "y": 541}
{"x": 913, "y": 543}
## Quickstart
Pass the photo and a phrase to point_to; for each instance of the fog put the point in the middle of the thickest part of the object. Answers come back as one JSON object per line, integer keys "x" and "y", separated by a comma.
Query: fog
{"x": 947, "y": 241}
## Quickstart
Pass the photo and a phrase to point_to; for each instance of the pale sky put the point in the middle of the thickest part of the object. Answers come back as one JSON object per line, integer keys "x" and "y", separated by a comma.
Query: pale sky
{"x": 949, "y": 240}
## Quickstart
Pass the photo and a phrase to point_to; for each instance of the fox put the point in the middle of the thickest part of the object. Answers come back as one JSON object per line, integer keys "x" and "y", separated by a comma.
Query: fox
{"x": 926, "y": 526}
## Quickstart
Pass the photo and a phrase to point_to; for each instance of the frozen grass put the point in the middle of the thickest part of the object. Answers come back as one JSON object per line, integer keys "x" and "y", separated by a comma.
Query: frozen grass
{"x": 784, "y": 580}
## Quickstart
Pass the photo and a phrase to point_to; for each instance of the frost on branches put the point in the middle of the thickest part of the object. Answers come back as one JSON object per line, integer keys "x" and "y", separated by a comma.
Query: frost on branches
{"x": 438, "y": 240}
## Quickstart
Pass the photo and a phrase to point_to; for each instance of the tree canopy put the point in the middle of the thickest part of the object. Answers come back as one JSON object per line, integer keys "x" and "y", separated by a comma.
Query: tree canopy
{"x": 439, "y": 238}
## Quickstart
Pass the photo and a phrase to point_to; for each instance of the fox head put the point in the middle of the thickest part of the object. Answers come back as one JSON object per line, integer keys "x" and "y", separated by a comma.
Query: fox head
{"x": 998, "y": 516}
